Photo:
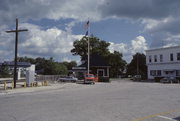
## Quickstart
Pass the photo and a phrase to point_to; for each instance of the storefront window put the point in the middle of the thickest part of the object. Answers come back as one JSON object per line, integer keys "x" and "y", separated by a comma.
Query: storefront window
{"x": 178, "y": 73}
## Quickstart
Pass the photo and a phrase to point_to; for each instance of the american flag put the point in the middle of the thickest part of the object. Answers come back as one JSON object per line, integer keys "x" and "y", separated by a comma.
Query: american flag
{"x": 87, "y": 27}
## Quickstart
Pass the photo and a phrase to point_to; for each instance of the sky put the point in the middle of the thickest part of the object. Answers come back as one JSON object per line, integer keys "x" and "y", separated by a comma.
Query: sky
{"x": 129, "y": 26}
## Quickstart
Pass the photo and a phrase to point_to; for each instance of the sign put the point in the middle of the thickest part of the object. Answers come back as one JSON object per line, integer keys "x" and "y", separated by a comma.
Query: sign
{"x": 79, "y": 68}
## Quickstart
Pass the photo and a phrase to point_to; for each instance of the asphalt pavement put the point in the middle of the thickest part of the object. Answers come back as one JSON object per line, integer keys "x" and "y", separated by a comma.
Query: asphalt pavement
{"x": 120, "y": 100}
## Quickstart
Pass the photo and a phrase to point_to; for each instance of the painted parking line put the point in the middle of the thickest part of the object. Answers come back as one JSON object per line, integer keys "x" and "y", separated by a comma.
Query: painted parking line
{"x": 156, "y": 115}
{"x": 167, "y": 118}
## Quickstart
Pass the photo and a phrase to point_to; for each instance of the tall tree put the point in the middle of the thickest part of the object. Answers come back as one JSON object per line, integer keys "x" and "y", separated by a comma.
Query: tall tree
{"x": 69, "y": 65}
{"x": 26, "y": 59}
{"x": 117, "y": 64}
{"x": 46, "y": 66}
{"x": 4, "y": 71}
{"x": 100, "y": 47}
{"x": 97, "y": 46}
{"x": 138, "y": 65}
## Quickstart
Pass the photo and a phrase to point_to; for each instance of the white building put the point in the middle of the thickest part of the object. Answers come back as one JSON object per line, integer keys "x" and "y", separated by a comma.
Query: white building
{"x": 163, "y": 62}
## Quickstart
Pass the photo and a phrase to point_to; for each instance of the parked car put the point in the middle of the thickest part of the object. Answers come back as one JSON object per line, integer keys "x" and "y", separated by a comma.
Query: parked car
{"x": 89, "y": 79}
{"x": 169, "y": 80}
{"x": 68, "y": 79}
{"x": 137, "y": 77}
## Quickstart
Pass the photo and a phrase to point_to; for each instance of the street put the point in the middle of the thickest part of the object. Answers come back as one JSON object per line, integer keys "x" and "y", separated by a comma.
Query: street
{"x": 116, "y": 101}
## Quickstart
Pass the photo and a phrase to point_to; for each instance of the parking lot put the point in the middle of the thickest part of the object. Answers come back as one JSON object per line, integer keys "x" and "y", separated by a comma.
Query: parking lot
{"x": 120, "y": 100}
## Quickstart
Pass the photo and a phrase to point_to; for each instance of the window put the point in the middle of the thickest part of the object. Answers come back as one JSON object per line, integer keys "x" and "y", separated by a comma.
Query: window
{"x": 178, "y": 73}
{"x": 155, "y": 72}
{"x": 155, "y": 58}
{"x": 161, "y": 58}
{"x": 178, "y": 56}
{"x": 158, "y": 72}
{"x": 171, "y": 57}
{"x": 152, "y": 72}
{"x": 150, "y": 59}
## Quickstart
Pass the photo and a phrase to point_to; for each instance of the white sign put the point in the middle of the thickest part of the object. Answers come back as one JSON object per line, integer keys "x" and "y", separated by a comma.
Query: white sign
{"x": 79, "y": 68}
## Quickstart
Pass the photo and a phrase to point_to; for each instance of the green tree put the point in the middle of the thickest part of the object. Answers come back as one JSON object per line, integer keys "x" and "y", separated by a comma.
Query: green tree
{"x": 138, "y": 61}
{"x": 50, "y": 67}
{"x": 69, "y": 65}
{"x": 46, "y": 66}
{"x": 60, "y": 69}
{"x": 4, "y": 71}
{"x": 117, "y": 64}
{"x": 97, "y": 46}
{"x": 26, "y": 59}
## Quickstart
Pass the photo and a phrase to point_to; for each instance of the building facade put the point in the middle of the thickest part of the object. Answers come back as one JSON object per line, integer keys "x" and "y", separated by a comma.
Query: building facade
{"x": 21, "y": 67}
{"x": 163, "y": 62}
{"x": 98, "y": 66}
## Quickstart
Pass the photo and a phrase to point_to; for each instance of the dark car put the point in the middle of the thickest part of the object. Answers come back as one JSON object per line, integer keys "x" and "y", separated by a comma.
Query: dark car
{"x": 137, "y": 77}
{"x": 169, "y": 80}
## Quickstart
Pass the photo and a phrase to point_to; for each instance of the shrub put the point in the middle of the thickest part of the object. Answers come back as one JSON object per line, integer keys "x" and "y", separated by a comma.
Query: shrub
{"x": 104, "y": 79}
{"x": 157, "y": 79}
{"x": 178, "y": 78}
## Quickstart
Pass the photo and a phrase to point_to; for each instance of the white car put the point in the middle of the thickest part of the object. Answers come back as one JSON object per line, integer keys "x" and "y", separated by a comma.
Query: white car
{"x": 137, "y": 77}
{"x": 68, "y": 79}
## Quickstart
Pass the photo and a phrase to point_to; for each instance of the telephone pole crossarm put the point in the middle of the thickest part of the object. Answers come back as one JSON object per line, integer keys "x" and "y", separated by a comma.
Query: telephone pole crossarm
{"x": 16, "y": 49}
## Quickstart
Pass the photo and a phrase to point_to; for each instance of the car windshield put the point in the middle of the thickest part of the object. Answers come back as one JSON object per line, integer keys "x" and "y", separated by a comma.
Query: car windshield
{"x": 89, "y": 75}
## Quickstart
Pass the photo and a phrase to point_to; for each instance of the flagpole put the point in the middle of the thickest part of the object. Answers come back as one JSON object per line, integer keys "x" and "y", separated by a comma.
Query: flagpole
{"x": 88, "y": 49}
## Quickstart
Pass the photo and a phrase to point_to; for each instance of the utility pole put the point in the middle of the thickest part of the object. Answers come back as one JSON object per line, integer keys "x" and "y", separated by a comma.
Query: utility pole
{"x": 137, "y": 65}
{"x": 16, "y": 49}
{"x": 88, "y": 55}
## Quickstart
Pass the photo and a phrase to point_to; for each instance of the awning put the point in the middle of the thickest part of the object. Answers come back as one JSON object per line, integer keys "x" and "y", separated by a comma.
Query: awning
{"x": 169, "y": 70}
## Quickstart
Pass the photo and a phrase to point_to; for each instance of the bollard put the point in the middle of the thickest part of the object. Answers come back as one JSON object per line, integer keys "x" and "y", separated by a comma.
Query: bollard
{"x": 45, "y": 83}
{"x": 4, "y": 85}
{"x": 34, "y": 84}
{"x": 25, "y": 84}
{"x": 37, "y": 84}
{"x": 12, "y": 84}
{"x": 31, "y": 84}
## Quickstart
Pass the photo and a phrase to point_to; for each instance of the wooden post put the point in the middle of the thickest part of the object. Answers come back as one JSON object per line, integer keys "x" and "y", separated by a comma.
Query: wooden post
{"x": 24, "y": 84}
{"x": 42, "y": 83}
{"x": 12, "y": 84}
{"x": 4, "y": 85}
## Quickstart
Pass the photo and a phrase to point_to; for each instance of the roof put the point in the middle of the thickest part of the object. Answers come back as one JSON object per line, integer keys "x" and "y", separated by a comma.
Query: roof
{"x": 19, "y": 64}
{"x": 163, "y": 48}
{"x": 96, "y": 61}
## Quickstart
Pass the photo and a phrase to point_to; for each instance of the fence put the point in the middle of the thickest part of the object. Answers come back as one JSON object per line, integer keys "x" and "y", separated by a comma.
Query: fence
{"x": 50, "y": 78}
{"x": 8, "y": 82}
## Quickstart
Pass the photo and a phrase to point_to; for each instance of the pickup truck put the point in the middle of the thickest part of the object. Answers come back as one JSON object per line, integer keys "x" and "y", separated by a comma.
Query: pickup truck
{"x": 89, "y": 79}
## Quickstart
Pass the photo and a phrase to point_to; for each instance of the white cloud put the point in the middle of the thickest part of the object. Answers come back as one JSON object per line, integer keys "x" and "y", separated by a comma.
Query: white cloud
{"x": 137, "y": 45}
{"x": 160, "y": 18}
{"x": 121, "y": 47}
{"x": 51, "y": 42}
{"x": 57, "y": 9}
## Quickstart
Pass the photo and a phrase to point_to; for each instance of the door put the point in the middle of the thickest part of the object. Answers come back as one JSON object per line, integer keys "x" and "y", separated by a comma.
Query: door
{"x": 100, "y": 72}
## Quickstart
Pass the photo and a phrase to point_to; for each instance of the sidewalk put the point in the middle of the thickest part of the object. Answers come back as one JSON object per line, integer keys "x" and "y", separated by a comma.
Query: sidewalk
{"x": 40, "y": 88}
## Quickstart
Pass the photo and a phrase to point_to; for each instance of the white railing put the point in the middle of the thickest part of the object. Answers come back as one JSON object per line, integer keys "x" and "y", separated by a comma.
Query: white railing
{"x": 50, "y": 78}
